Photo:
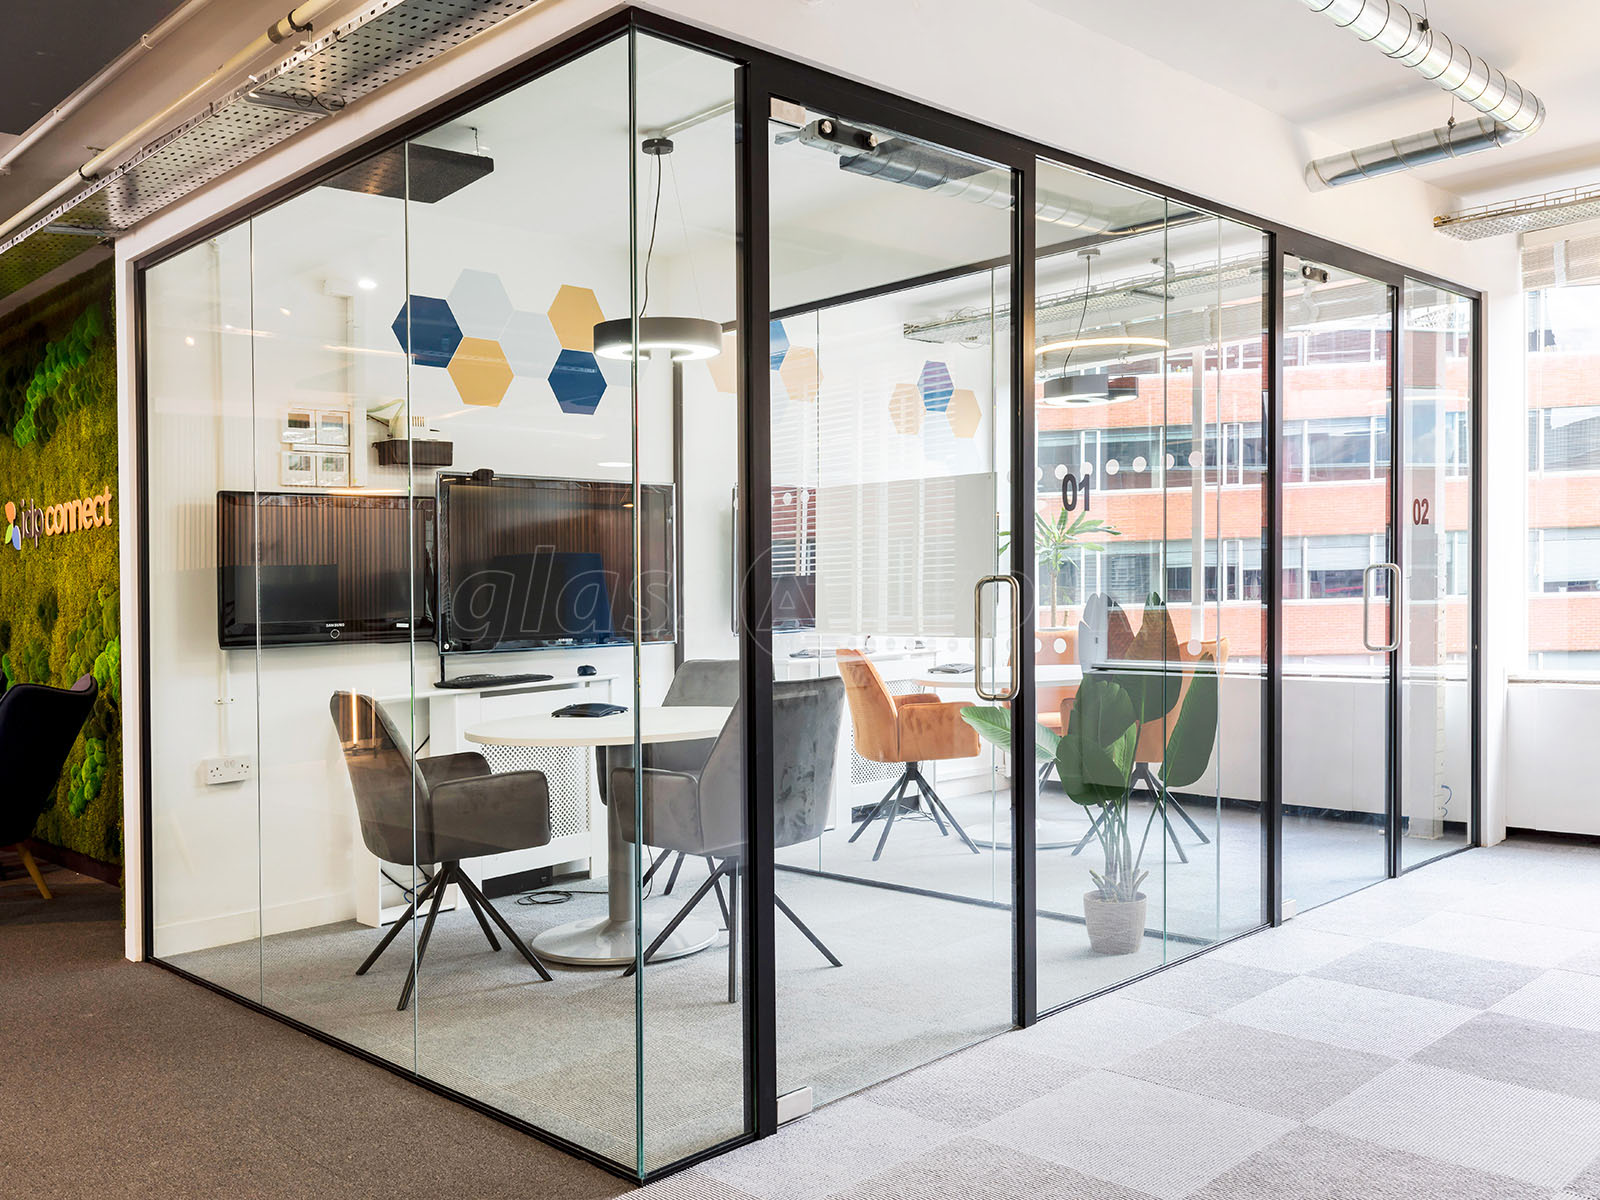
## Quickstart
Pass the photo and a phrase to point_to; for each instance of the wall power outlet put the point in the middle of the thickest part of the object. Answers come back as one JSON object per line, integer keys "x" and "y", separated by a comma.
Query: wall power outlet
{"x": 234, "y": 769}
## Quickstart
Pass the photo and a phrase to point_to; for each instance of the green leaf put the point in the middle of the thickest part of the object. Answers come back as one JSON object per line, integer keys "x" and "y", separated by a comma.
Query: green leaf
{"x": 1095, "y": 756}
{"x": 993, "y": 724}
{"x": 1189, "y": 748}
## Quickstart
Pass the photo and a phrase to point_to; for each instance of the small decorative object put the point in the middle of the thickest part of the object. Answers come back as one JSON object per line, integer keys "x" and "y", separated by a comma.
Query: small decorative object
{"x": 299, "y": 426}
{"x": 298, "y": 468}
{"x": 333, "y": 469}
{"x": 333, "y": 427}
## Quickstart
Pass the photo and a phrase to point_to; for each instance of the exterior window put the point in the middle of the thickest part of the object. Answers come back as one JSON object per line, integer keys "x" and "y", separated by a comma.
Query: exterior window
{"x": 1565, "y": 438}
{"x": 1565, "y": 560}
{"x": 1339, "y": 448}
{"x": 1334, "y": 565}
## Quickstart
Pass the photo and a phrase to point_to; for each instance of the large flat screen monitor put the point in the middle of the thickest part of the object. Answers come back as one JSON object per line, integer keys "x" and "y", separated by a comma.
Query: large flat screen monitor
{"x": 528, "y": 563}
{"x": 297, "y": 568}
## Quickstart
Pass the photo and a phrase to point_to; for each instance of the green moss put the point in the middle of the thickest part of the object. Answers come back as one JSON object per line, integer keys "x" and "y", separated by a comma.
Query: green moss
{"x": 58, "y": 441}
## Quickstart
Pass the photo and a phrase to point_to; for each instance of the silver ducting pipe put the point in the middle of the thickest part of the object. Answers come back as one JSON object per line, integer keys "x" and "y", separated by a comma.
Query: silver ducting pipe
{"x": 1511, "y": 112}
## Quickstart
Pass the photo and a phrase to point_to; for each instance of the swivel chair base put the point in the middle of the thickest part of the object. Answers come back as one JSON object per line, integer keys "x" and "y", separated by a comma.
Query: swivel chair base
{"x": 893, "y": 802}
{"x": 433, "y": 890}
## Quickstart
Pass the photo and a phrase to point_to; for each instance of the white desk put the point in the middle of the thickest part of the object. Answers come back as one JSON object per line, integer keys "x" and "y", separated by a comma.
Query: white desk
{"x": 1046, "y": 675}
{"x": 614, "y": 939}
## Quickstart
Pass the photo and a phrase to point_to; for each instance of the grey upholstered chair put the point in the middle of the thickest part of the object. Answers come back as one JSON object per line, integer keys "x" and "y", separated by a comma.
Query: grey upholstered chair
{"x": 702, "y": 812}
{"x": 699, "y": 681}
{"x": 461, "y": 811}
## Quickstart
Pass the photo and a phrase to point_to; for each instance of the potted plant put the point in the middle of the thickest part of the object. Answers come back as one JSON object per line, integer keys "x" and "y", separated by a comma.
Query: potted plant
{"x": 1054, "y": 542}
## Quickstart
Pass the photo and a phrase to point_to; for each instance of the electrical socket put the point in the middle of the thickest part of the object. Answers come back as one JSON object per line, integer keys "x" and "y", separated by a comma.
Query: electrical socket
{"x": 234, "y": 769}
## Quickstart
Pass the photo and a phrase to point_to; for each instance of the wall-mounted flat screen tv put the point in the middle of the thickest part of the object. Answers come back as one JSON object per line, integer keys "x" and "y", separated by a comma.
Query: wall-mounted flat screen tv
{"x": 303, "y": 568}
{"x": 529, "y": 564}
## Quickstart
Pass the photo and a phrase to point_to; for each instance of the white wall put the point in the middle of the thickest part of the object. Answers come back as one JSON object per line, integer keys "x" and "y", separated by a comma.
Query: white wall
{"x": 1004, "y": 69}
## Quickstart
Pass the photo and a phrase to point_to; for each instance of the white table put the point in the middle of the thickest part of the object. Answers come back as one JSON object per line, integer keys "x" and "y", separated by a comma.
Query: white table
{"x": 1044, "y": 675}
{"x": 613, "y": 940}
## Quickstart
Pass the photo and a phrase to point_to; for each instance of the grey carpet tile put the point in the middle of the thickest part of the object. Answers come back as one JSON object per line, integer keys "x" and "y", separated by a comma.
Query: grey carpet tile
{"x": 1523, "y": 942}
{"x": 1559, "y": 997}
{"x": 1587, "y": 1184}
{"x": 1293, "y": 948}
{"x": 1103, "y": 1031}
{"x": 1537, "y": 1137}
{"x": 1356, "y": 1018}
{"x": 1432, "y": 974}
{"x": 837, "y": 1147}
{"x": 1318, "y": 1164}
{"x": 691, "y": 1185}
{"x": 1136, "y": 1134}
{"x": 975, "y": 1085}
{"x": 1586, "y": 962}
{"x": 1531, "y": 1054}
{"x": 1206, "y": 986}
{"x": 971, "y": 1168}
{"x": 1255, "y": 1068}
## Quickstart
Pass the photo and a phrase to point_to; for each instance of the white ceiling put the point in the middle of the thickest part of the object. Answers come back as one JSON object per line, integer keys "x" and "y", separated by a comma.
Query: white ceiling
{"x": 1283, "y": 57}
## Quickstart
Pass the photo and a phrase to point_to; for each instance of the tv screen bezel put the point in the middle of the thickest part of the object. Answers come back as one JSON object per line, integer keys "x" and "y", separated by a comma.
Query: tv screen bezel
{"x": 421, "y": 629}
{"x": 442, "y": 485}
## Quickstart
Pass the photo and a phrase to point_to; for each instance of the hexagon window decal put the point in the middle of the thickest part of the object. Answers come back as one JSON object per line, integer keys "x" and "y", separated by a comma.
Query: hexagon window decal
{"x": 800, "y": 374}
{"x": 529, "y": 342}
{"x": 480, "y": 372}
{"x": 574, "y": 313}
{"x": 936, "y": 385}
{"x": 434, "y": 333}
{"x": 905, "y": 409}
{"x": 480, "y": 304}
{"x": 577, "y": 382}
{"x": 724, "y": 367}
{"x": 963, "y": 413}
{"x": 779, "y": 341}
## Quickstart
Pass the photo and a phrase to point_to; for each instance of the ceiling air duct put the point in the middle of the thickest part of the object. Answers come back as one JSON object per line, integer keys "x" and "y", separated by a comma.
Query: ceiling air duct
{"x": 1510, "y": 111}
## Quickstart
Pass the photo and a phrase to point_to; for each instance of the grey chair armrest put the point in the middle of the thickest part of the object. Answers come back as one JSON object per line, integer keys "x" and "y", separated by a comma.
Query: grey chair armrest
{"x": 487, "y": 814}
{"x": 446, "y": 768}
{"x": 671, "y": 808}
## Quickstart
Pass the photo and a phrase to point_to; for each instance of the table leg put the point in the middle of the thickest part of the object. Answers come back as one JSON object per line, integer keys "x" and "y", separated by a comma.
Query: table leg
{"x": 616, "y": 939}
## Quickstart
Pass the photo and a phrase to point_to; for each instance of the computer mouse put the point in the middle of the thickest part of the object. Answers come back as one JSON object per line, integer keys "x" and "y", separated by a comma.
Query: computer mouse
{"x": 586, "y": 669}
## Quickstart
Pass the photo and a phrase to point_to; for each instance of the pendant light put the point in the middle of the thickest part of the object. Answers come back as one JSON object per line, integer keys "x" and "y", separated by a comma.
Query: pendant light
{"x": 1090, "y": 387}
{"x": 682, "y": 338}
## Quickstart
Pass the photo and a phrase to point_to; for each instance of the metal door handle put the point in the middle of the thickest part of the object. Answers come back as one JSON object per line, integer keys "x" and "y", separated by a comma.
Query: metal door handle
{"x": 1391, "y": 641}
{"x": 977, "y": 635}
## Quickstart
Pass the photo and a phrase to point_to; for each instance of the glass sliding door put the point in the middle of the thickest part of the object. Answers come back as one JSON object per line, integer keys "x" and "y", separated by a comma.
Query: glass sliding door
{"x": 1150, "y": 491}
{"x": 1436, "y": 480}
{"x": 1338, "y": 577}
{"x": 890, "y": 466}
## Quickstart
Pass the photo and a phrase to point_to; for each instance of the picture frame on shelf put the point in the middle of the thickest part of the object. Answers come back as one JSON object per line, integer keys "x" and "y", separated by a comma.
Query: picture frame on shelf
{"x": 333, "y": 468}
{"x": 299, "y": 427}
{"x": 298, "y": 468}
{"x": 333, "y": 427}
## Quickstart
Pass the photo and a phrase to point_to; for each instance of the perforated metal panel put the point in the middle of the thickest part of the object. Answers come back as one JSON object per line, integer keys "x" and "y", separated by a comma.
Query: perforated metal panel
{"x": 1544, "y": 211}
{"x": 567, "y": 770}
{"x": 864, "y": 770}
{"x": 338, "y": 65}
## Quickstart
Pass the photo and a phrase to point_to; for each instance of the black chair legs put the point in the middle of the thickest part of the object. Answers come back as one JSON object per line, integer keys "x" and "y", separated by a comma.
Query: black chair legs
{"x": 893, "y": 801}
{"x": 432, "y": 892}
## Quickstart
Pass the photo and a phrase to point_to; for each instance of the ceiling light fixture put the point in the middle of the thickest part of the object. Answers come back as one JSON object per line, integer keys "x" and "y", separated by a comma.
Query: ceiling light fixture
{"x": 1126, "y": 340}
{"x": 681, "y": 338}
{"x": 1094, "y": 387}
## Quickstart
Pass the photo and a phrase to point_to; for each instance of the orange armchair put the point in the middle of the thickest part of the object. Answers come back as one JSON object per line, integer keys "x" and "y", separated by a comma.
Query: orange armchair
{"x": 909, "y": 730}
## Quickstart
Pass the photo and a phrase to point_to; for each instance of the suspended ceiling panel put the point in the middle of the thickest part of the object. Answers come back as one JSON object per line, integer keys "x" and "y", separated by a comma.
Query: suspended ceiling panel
{"x": 375, "y": 47}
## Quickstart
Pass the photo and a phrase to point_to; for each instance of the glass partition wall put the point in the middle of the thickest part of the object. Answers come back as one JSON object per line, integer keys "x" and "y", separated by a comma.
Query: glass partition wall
{"x": 473, "y": 745}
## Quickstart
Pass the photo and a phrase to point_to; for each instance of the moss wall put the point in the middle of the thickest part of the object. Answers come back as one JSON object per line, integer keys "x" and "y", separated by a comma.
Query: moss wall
{"x": 59, "y": 596}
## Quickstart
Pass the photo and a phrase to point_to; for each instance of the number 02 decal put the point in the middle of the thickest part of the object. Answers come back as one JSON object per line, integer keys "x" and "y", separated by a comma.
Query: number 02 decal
{"x": 1419, "y": 511}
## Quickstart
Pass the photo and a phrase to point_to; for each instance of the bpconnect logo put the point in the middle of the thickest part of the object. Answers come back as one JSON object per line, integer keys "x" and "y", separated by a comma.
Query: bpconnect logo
{"x": 29, "y": 522}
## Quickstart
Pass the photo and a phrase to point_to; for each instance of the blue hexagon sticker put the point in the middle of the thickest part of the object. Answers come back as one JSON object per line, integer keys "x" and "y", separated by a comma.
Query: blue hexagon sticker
{"x": 434, "y": 332}
{"x": 779, "y": 342}
{"x": 936, "y": 386}
{"x": 577, "y": 382}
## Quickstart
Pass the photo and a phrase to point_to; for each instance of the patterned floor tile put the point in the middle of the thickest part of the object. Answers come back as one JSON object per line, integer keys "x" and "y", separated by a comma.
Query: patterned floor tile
{"x": 1534, "y": 1054}
{"x": 1139, "y": 1135}
{"x": 976, "y": 1085}
{"x": 1536, "y": 1137}
{"x": 1318, "y": 1164}
{"x": 1207, "y": 985}
{"x": 1103, "y": 1031}
{"x": 1292, "y": 947}
{"x": 974, "y": 1169}
{"x": 1356, "y": 1018}
{"x": 1559, "y": 997}
{"x": 1288, "y": 1076}
{"x": 1432, "y": 974}
{"x": 1490, "y": 937}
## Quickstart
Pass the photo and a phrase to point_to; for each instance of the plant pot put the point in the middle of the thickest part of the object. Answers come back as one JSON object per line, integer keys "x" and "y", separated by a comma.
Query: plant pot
{"x": 1115, "y": 926}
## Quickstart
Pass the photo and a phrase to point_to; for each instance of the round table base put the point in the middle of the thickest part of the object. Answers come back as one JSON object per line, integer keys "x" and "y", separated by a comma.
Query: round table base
{"x": 602, "y": 942}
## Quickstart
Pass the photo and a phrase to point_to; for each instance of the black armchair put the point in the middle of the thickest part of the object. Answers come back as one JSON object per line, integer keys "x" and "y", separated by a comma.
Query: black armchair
{"x": 460, "y": 811}
{"x": 38, "y": 726}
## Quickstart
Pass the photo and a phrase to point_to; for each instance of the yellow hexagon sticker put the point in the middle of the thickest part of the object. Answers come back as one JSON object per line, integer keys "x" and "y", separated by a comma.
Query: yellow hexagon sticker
{"x": 905, "y": 408}
{"x": 800, "y": 374}
{"x": 480, "y": 372}
{"x": 963, "y": 413}
{"x": 573, "y": 315}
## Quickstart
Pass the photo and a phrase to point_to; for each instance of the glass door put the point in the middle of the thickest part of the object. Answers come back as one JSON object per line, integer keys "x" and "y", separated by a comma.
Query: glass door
{"x": 890, "y": 462}
{"x": 1435, "y": 628}
{"x": 1338, "y": 576}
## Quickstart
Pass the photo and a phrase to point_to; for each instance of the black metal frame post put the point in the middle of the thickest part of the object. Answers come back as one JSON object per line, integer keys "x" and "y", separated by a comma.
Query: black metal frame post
{"x": 1396, "y": 625}
{"x": 1024, "y": 454}
{"x": 1272, "y": 659}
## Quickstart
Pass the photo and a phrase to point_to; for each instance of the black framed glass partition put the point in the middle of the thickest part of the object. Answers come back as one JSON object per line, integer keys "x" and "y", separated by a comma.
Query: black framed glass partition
{"x": 972, "y": 542}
